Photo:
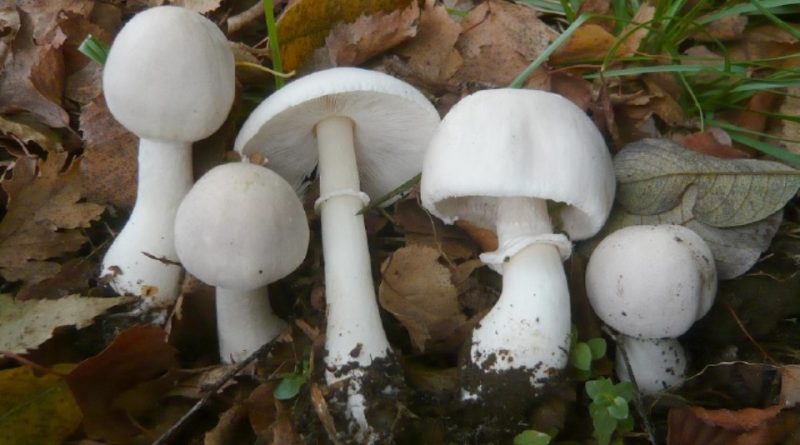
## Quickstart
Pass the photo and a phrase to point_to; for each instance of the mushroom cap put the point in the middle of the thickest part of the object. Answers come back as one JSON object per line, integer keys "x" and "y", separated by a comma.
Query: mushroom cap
{"x": 241, "y": 227}
{"x": 392, "y": 121}
{"x": 651, "y": 281}
{"x": 170, "y": 75}
{"x": 518, "y": 143}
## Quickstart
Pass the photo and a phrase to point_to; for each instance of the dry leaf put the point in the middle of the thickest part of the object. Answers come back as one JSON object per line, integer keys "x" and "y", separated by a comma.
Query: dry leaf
{"x": 306, "y": 24}
{"x": 41, "y": 219}
{"x": 30, "y": 131}
{"x": 787, "y": 129}
{"x": 24, "y": 325}
{"x": 226, "y": 430}
{"x": 748, "y": 426}
{"x": 419, "y": 292}
{"x": 431, "y": 54}
{"x": 499, "y": 40}
{"x": 589, "y": 42}
{"x": 201, "y": 6}
{"x": 725, "y": 29}
{"x": 9, "y": 26}
{"x": 109, "y": 165}
{"x": 713, "y": 142}
{"x": 634, "y": 32}
{"x": 138, "y": 355}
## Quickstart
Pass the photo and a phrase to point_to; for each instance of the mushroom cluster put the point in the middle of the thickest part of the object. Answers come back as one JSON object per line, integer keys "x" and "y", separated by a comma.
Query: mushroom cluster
{"x": 651, "y": 283}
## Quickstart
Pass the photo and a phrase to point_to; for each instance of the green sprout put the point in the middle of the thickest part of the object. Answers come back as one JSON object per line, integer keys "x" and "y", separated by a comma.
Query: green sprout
{"x": 292, "y": 382}
{"x": 609, "y": 408}
{"x": 582, "y": 354}
{"x": 532, "y": 437}
{"x": 94, "y": 49}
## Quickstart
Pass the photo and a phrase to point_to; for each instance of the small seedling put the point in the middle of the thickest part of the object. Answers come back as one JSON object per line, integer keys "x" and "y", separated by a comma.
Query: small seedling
{"x": 532, "y": 437}
{"x": 582, "y": 354}
{"x": 292, "y": 382}
{"x": 94, "y": 49}
{"x": 609, "y": 408}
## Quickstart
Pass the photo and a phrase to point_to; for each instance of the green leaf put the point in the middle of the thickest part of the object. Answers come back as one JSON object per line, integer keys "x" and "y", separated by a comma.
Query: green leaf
{"x": 290, "y": 386}
{"x": 581, "y": 356}
{"x": 597, "y": 388}
{"x": 36, "y": 410}
{"x": 604, "y": 425}
{"x": 532, "y": 437}
{"x": 619, "y": 408}
{"x": 624, "y": 390}
{"x": 598, "y": 347}
{"x": 654, "y": 174}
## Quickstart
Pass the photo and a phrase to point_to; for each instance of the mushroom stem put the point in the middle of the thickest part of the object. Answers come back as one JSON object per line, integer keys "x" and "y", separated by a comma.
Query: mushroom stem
{"x": 657, "y": 363}
{"x": 164, "y": 178}
{"x": 245, "y": 322}
{"x": 529, "y": 326}
{"x": 354, "y": 332}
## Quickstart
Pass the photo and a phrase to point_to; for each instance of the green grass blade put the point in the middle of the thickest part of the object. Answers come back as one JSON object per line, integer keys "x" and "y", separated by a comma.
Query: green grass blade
{"x": 274, "y": 45}
{"x": 745, "y": 8}
{"x": 767, "y": 148}
{"x": 94, "y": 49}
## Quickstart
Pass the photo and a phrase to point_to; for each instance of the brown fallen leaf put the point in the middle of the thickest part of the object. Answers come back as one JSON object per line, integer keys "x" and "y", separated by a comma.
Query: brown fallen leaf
{"x": 789, "y": 130}
{"x": 498, "y": 41}
{"x": 201, "y": 6}
{"x": 713, "y": 142}
{"x": 590, "y": 42}
{"x": 418, "y": 291}
{"x": 9, "y": 26}
{"x": 305, "y": 26}
{"x": 725, "y": 29}
{"x": 227, "y": 429}
{"x": 109, "y": 164}
{"x": 635, "y": 34}
{"x": 28, "y": 130}
{"x": 44, "y": 16}
{"x": 138, "y": 355}
{"x": 42, "y": 219}
{"x": 431, "y": 54}
{"x": 260, "y": 406}
{"x": 748, "y": 426}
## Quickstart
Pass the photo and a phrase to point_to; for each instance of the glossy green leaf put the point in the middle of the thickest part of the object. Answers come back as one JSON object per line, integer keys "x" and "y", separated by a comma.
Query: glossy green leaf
{"x": 290, "y": 386}
{"x": 597, "y": 346}
{"x": 581, "y": 356}
{"x": 532, "y": 437}
{"x": 654, "y": 174}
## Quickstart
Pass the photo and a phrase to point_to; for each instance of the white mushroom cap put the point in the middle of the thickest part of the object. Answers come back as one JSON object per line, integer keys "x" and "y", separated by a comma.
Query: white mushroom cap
{"x": 241, "y": 227}
{"x": 519, "y": 143}
{"x": 165, "y": 61}
{"x": 651, "y": 281}
{"x": 392, "y": 124}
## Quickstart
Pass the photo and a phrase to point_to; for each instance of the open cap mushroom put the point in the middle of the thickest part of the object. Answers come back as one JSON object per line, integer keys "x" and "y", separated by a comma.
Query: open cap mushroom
{"x": 240, "y": 228}
{"x": 365, "y": 132}
{"x": 510, "y": 161}
{"x": 652, "y": 283}
{"x": 169, "y": 79}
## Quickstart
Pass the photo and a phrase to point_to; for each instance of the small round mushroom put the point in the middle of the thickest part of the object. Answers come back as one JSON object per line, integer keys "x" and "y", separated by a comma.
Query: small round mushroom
{"x": 651, "y": 283}
{"x": 240, "y": 228}
{"x": 169, "y": 79}
{"x": 497, "y": 160}
{"x": 365, "y": 132}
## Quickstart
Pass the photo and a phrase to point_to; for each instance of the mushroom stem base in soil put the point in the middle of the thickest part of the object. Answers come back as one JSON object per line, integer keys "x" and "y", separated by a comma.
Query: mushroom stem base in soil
{"x": 527, "y": 332}
{"x": 164, "y": 178}
{"x": 657, "y": 363}
{"x": 355, "y": 338}
{"x": 245, "y": 322}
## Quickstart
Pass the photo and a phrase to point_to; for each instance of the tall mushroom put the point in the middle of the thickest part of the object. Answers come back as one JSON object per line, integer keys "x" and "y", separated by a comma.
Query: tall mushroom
{"x": 240, "y": 228}
{"x": 651, "y": 283}
{"x": 169, "y": 79}
{"x": 497, "y": 160}
{"x": 365, "y": 132}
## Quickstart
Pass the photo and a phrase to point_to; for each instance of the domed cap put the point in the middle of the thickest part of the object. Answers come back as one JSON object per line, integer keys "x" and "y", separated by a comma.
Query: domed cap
{"x": 651, "y": 281}
{"x": 392, "y": 125}
{"x": 241, "y": 227}
{"x": 170, "y": 75}
{"x": 518, "y": 143}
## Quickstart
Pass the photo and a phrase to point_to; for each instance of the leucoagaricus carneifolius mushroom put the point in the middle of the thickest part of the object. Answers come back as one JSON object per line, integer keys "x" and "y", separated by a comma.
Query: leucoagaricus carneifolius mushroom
{"x": 651, "y": 283}
{"x": 240, "y": 228}
{"x": 498, "y": 158}
{"x": 169, "y": 79}
{"x": 365, "y": 132}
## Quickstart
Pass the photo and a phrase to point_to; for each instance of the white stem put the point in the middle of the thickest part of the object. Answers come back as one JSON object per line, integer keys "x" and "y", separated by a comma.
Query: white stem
{"x": 165, "y": 176}
{"x": 529, "y": 326}
{"x": 354, "y": 332}
{"x": 657, "y": 363}
{"x": 245, "y": 322}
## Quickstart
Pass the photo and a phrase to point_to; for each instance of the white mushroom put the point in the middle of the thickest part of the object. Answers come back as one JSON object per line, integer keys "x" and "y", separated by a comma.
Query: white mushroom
{"x": 652, "y": 283}
{"x": 497, "y": 159}
{"x": 365, "y": 132}
{"x": 169, "y": 79}
{"x": 240, "y": 228}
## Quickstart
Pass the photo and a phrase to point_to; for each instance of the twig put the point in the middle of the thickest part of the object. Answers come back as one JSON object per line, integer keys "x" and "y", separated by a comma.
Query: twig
{"x": 164, "y": 438}
{"x": 637, "y": 397}
{"x": 238, "y": 21}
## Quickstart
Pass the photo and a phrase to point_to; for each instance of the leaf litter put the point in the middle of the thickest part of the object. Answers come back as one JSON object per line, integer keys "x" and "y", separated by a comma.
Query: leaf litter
{"x": 66, "y": 161}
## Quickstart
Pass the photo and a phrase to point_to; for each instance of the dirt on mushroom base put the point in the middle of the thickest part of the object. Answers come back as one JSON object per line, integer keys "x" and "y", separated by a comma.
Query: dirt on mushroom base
{"x": 384, "y": 390}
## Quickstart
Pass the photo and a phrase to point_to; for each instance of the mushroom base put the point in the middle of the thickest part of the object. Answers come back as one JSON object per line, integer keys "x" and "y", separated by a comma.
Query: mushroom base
{"x": 382, "y": 390}
{"x": 502, "y": 401}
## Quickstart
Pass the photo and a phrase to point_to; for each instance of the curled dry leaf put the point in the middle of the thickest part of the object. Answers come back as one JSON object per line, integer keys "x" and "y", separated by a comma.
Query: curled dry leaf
{"x": 24, "y": 325}
{"x": 748, "y": 426}
{"x": 431, "y": 54}
{"x": 498, "y": 40}
{"x": 138, "y": 355}
{"x": 350, "y": 31}
{"x": 420, "y": 293}
{"x": 653, "y": 175}
{"x": 42, "y": 220}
